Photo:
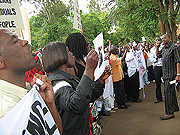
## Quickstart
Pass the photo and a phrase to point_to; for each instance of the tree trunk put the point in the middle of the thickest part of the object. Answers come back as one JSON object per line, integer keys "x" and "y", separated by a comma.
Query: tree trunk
{"x": 161, "y": 25}
{"x": 173, "y": 14}
{"x": 164, "y": 17}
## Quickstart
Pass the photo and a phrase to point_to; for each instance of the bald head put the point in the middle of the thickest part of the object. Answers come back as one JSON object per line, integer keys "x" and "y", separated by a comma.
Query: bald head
{"x": 166, "y": 39}
{"x": 16, "y": 56}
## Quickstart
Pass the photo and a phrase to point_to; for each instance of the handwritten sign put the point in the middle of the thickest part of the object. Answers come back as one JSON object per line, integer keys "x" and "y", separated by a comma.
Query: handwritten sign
{"x": 77, "y": 19}
{"x": 10, "y": 15}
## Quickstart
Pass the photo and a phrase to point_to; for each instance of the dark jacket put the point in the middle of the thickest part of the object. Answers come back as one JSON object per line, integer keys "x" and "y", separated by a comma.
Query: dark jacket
{"x": 72, "y": 101}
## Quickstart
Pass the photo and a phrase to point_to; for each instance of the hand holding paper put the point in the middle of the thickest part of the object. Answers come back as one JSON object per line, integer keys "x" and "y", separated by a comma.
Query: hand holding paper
{"x": 47, "y": 93}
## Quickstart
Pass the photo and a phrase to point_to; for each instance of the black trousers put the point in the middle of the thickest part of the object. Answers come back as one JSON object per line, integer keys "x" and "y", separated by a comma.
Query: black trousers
{"x": 127, "y": 86}
{"x": 119, "y": 92}
{"x": 134, "y": 86}
{"x": 170, "y": 97}
{"x": 157, "y": 77}
{"x": 150, "y": 73}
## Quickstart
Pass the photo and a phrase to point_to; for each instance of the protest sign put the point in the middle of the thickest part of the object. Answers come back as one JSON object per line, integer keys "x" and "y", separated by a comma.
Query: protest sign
{"x": 29, "y": 116}
{"x": 10, "y": 15}
{"x": 77, "y": 19}
{"x": 98, "y": 44}
{"x": 99, "y": 48}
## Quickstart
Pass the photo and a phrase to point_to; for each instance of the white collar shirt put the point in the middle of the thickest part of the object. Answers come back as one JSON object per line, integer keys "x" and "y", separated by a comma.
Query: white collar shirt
{"x": 10, "y": 95}
{"x": 153, "y": 57}
{"x": 132, "y": 63}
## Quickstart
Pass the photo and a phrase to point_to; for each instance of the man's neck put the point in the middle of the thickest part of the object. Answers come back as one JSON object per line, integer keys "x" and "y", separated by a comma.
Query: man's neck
{"x": 19, "y": 79}
{"x": 167, "y": 43}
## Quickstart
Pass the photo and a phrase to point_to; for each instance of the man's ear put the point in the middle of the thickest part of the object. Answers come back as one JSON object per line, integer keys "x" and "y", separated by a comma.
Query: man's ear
{"x": 2, "y": 65}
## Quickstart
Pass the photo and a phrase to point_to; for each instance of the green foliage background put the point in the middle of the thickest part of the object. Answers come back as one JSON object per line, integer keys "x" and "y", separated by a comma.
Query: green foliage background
{"x": 132, "y": 19}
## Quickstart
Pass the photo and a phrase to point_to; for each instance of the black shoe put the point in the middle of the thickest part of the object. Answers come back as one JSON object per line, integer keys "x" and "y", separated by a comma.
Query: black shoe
{"x": 103, "y": 113}
{"x": 137, "y": 101}
{"x": 127, "y": 105}
{"x": 122, "y": 107}
{"x": 157, "y": 101}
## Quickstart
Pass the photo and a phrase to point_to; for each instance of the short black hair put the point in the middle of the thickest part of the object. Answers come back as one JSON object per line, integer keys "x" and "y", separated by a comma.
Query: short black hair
{"x": 113, "y": 50}
{"x": 76, "y": 43}
{"x": 54, "y": 55}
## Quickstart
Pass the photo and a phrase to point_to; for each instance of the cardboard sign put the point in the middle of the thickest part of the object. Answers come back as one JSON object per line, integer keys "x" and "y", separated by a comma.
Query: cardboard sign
{"x": 10, "y": 15}
{"x": 77, "y": 19}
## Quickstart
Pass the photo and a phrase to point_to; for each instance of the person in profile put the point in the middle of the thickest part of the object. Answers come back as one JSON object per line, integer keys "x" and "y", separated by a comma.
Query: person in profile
{"x": 16, "y": 57}
{"x": 72, "y": 95}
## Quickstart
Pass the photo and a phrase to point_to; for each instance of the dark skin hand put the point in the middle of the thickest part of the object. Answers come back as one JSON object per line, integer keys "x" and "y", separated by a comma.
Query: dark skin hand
{"x": 47, "y": 93}
{"x": 91, "y": 64}
{"x": 107, "y": 72}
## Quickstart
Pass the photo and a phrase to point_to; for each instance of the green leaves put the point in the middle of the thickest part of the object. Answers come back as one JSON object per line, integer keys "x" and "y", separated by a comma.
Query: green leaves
{"x": 51, "y": 23}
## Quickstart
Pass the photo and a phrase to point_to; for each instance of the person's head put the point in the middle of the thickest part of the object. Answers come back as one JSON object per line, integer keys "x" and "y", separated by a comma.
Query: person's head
{"x": 127, "y": 47}
{"x": 146, "y": 48}
{"x": 149, "y": 46}
{"x": 131, "y": 42}
{"x": 178, "y": 42}
{"x": 15, "y": 54}
{"x": 166, "y": 39}
{"x": 114, "y": 50}
{"x": 157, "y": 40}
{"x": 54, "y": 55}
{"x": 78, "y": 45}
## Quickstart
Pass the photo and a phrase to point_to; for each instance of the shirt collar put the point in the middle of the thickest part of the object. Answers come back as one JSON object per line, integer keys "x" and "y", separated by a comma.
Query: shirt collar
{"x": 167, "y": 46}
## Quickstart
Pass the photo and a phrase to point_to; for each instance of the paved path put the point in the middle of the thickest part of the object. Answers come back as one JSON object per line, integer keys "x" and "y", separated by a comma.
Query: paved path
{"x": 142, "y": 118}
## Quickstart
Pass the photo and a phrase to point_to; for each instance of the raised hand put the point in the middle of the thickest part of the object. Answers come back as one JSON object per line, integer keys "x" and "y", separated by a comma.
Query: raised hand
{"x": 91, "y": 63}
{"x": 107, "y": 72}
{"x": 46, "y": 89}
{"x": 92, "y": 60}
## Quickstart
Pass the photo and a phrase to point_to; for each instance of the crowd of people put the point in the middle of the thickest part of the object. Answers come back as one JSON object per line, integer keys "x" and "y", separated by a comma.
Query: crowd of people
{"x": 67, "y": 70}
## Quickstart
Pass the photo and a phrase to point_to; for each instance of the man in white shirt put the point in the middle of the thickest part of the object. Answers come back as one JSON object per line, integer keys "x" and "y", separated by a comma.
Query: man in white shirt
{"x": 157, "y": 63}
{"x": 16, "y": 57}
{"x": 133, "y": 73}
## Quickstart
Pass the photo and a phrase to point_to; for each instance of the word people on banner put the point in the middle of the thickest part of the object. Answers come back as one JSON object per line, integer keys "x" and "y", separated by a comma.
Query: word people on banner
{"x": 10, "y": 15}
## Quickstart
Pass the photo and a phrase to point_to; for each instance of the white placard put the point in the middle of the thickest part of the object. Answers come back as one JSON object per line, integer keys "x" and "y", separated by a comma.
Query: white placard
{"x": 10, "y": 15}
{"x": 77, "y": 19}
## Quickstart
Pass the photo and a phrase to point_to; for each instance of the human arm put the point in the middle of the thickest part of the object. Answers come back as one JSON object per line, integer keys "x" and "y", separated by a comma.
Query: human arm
{"x": 105, "y": 74}
{"x": 178, "y": 72}
{"x": 158, "y": 43}
{"x": 91, "y": 64}
{"x": 100, "y": 84}
{"x": 46, "y": 92}
{"x": 109, "y": 47}
{"x": 153, "y": 57}
{"x": 177, "y": 59}
{"x": 76, "y": 97}
{"x": 119, "y": 48}
{"x": 40, "y": 47}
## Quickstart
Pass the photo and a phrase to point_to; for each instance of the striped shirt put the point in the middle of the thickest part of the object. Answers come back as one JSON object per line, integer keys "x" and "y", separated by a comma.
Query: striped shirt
{"x": 170, "y": 57}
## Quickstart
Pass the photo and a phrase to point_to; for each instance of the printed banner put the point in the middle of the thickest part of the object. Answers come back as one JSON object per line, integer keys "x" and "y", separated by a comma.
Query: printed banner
{"x": 29, "y": 116}
{"x": 10, "y": 15}
{"x": 77, "y": 19}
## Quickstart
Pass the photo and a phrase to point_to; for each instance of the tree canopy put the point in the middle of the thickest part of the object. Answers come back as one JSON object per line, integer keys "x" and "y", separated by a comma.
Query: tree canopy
{"x": 131, "y": 19}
